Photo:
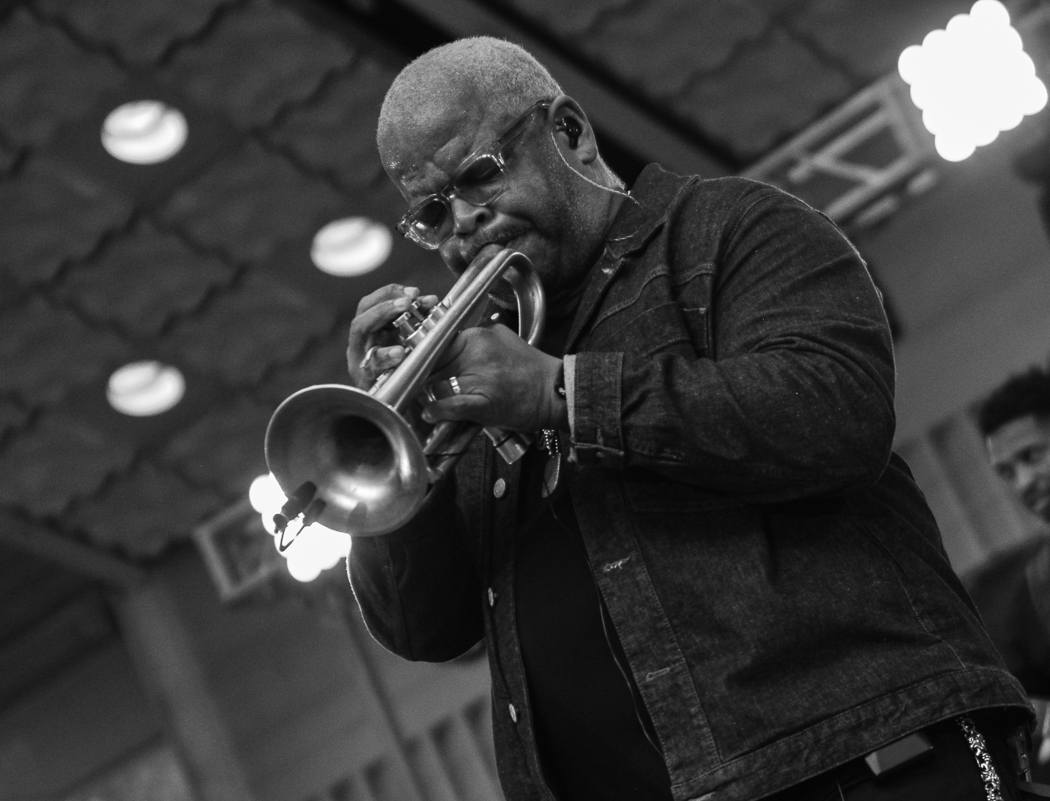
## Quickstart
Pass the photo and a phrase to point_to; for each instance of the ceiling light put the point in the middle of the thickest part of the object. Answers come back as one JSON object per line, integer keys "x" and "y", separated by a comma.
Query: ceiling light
{"x": 351, "y": 246}
{"x": 144, "y": 132}
{"x": 972, "y": 80}
{"x": 145, "y": 388}
{"x": 316, "y": 548}
{"x": 266, "y": 495}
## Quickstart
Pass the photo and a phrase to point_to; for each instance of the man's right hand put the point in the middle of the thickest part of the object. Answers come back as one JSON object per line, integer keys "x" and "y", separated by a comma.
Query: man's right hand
{"x": 372, "y": 336}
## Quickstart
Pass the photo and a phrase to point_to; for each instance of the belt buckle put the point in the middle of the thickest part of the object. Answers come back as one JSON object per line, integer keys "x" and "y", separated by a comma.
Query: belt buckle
{"x": 899, "y": 754}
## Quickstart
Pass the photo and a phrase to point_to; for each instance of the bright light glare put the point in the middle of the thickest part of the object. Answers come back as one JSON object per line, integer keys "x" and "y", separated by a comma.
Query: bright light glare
{"x": 266, "y": 495}
{"x": 351, "y": 246}
{"x": 315, "y": 549}
{"x": 990, "y": 12}
{"x": 972, "y": 80}
{"x": 144, "y": 132}
{"x": 304, "y": 571}
{"x": 954, "y": 148}
{"x": 142, "y": 389}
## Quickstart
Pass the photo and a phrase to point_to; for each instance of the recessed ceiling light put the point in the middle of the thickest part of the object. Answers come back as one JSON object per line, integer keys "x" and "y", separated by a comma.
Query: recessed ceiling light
{"x": 351, "y": 246}
{"x": 145, "y": 388}
{"x": 144, "y": 132}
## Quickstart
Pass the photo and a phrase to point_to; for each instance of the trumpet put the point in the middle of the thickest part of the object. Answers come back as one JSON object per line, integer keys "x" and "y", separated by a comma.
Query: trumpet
{"x": 362, "y": 462}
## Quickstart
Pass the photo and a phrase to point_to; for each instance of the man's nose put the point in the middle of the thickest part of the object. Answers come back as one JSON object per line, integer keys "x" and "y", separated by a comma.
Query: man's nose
{"x": 467, "y": 217}
{"x": 1025, "y": 479}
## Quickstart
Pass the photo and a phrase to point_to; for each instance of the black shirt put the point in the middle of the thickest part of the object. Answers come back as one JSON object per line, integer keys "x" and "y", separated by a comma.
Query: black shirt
{"x": 588, "y": 725}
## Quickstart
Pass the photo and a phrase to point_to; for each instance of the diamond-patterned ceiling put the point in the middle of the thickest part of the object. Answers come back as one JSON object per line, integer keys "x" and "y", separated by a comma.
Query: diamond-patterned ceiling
{"x": 203, "y": 261}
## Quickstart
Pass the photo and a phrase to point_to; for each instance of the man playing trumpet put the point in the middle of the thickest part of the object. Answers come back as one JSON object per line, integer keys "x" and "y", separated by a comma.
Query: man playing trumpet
{"x": 710, "y": 577}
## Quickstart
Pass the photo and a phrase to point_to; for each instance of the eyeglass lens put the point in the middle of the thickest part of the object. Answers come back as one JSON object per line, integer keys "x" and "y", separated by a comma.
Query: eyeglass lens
{"x": 480, "y": 182}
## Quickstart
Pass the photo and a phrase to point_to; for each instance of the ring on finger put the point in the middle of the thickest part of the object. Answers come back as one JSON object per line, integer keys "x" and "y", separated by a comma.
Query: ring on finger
{"x": 454, "y": 383}
{"x": 368, "y": 357}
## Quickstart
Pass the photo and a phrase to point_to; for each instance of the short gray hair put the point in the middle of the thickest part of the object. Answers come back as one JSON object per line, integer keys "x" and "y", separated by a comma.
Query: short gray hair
{"x": 503, "y": 76}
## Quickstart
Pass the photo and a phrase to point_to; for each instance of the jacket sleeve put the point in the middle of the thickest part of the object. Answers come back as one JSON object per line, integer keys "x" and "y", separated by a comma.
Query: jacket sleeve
{"x": 418, "y": 588}
{"x": 798, "y": 400}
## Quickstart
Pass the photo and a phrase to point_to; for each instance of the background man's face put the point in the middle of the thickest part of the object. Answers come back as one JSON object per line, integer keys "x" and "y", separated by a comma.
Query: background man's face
{"x": 1020, "y": 454}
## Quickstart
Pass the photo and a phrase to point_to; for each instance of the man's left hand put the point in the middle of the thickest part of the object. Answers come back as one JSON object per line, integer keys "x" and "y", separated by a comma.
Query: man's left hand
{"x": 503, "y": 382}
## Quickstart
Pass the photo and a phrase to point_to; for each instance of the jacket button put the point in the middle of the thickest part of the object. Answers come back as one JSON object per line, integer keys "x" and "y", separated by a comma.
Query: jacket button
{"x": 499, "y": 488}
{"x": 513, "y": 713}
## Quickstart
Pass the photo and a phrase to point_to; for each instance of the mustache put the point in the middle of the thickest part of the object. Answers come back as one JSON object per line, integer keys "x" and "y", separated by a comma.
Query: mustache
{"x": 499, "y": 238}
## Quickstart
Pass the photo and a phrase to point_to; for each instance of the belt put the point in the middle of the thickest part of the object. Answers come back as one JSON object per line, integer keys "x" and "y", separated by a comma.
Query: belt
{"x": 1020, "y": 744}
{"x": 917, "y": 747}
{"x": 979, "y": 749}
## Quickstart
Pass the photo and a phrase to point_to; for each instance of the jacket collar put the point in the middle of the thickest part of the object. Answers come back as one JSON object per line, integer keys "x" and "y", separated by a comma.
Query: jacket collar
{"x": 644, "y": 211}
{"x": 638, "y": 219}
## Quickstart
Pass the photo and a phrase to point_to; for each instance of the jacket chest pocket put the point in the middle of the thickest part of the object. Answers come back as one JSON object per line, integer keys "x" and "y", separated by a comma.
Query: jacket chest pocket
{"x": 645, "y": 332}
{"x": 695, "y": 297}
{"x": 642, "y": 330}
{"x": 669, "y": 311}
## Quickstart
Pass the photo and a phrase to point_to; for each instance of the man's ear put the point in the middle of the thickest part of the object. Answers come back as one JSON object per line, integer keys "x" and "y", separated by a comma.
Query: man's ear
{"x": 572, "y": 129}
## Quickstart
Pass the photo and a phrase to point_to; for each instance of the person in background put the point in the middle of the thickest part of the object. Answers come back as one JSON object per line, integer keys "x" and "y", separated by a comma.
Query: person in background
{"x": 710, "y": 578}
{"x": 1012, "y": 589}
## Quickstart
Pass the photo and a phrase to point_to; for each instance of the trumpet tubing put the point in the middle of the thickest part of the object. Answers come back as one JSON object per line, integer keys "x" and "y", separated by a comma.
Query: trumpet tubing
{"x": 361, "y": 462}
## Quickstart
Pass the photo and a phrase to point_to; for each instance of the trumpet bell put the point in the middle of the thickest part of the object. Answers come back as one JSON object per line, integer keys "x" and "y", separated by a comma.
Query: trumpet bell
{"x": 351, "y": 460}
{"x": 363, "y": 457}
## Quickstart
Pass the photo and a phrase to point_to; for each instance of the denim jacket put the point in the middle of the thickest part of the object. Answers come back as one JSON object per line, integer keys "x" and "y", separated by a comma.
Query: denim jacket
{"x": 772, "y": 571}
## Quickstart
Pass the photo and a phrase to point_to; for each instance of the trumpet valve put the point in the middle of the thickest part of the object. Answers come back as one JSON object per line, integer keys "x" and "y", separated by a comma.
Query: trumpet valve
{"x": 413, "y": 325}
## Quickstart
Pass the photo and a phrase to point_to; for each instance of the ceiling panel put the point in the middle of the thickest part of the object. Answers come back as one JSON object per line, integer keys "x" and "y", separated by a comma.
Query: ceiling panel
{"x": 203, "y": 261}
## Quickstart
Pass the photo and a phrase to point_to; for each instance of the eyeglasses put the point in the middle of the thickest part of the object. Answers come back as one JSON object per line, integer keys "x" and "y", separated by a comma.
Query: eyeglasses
{"x": 480, "y": 179}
